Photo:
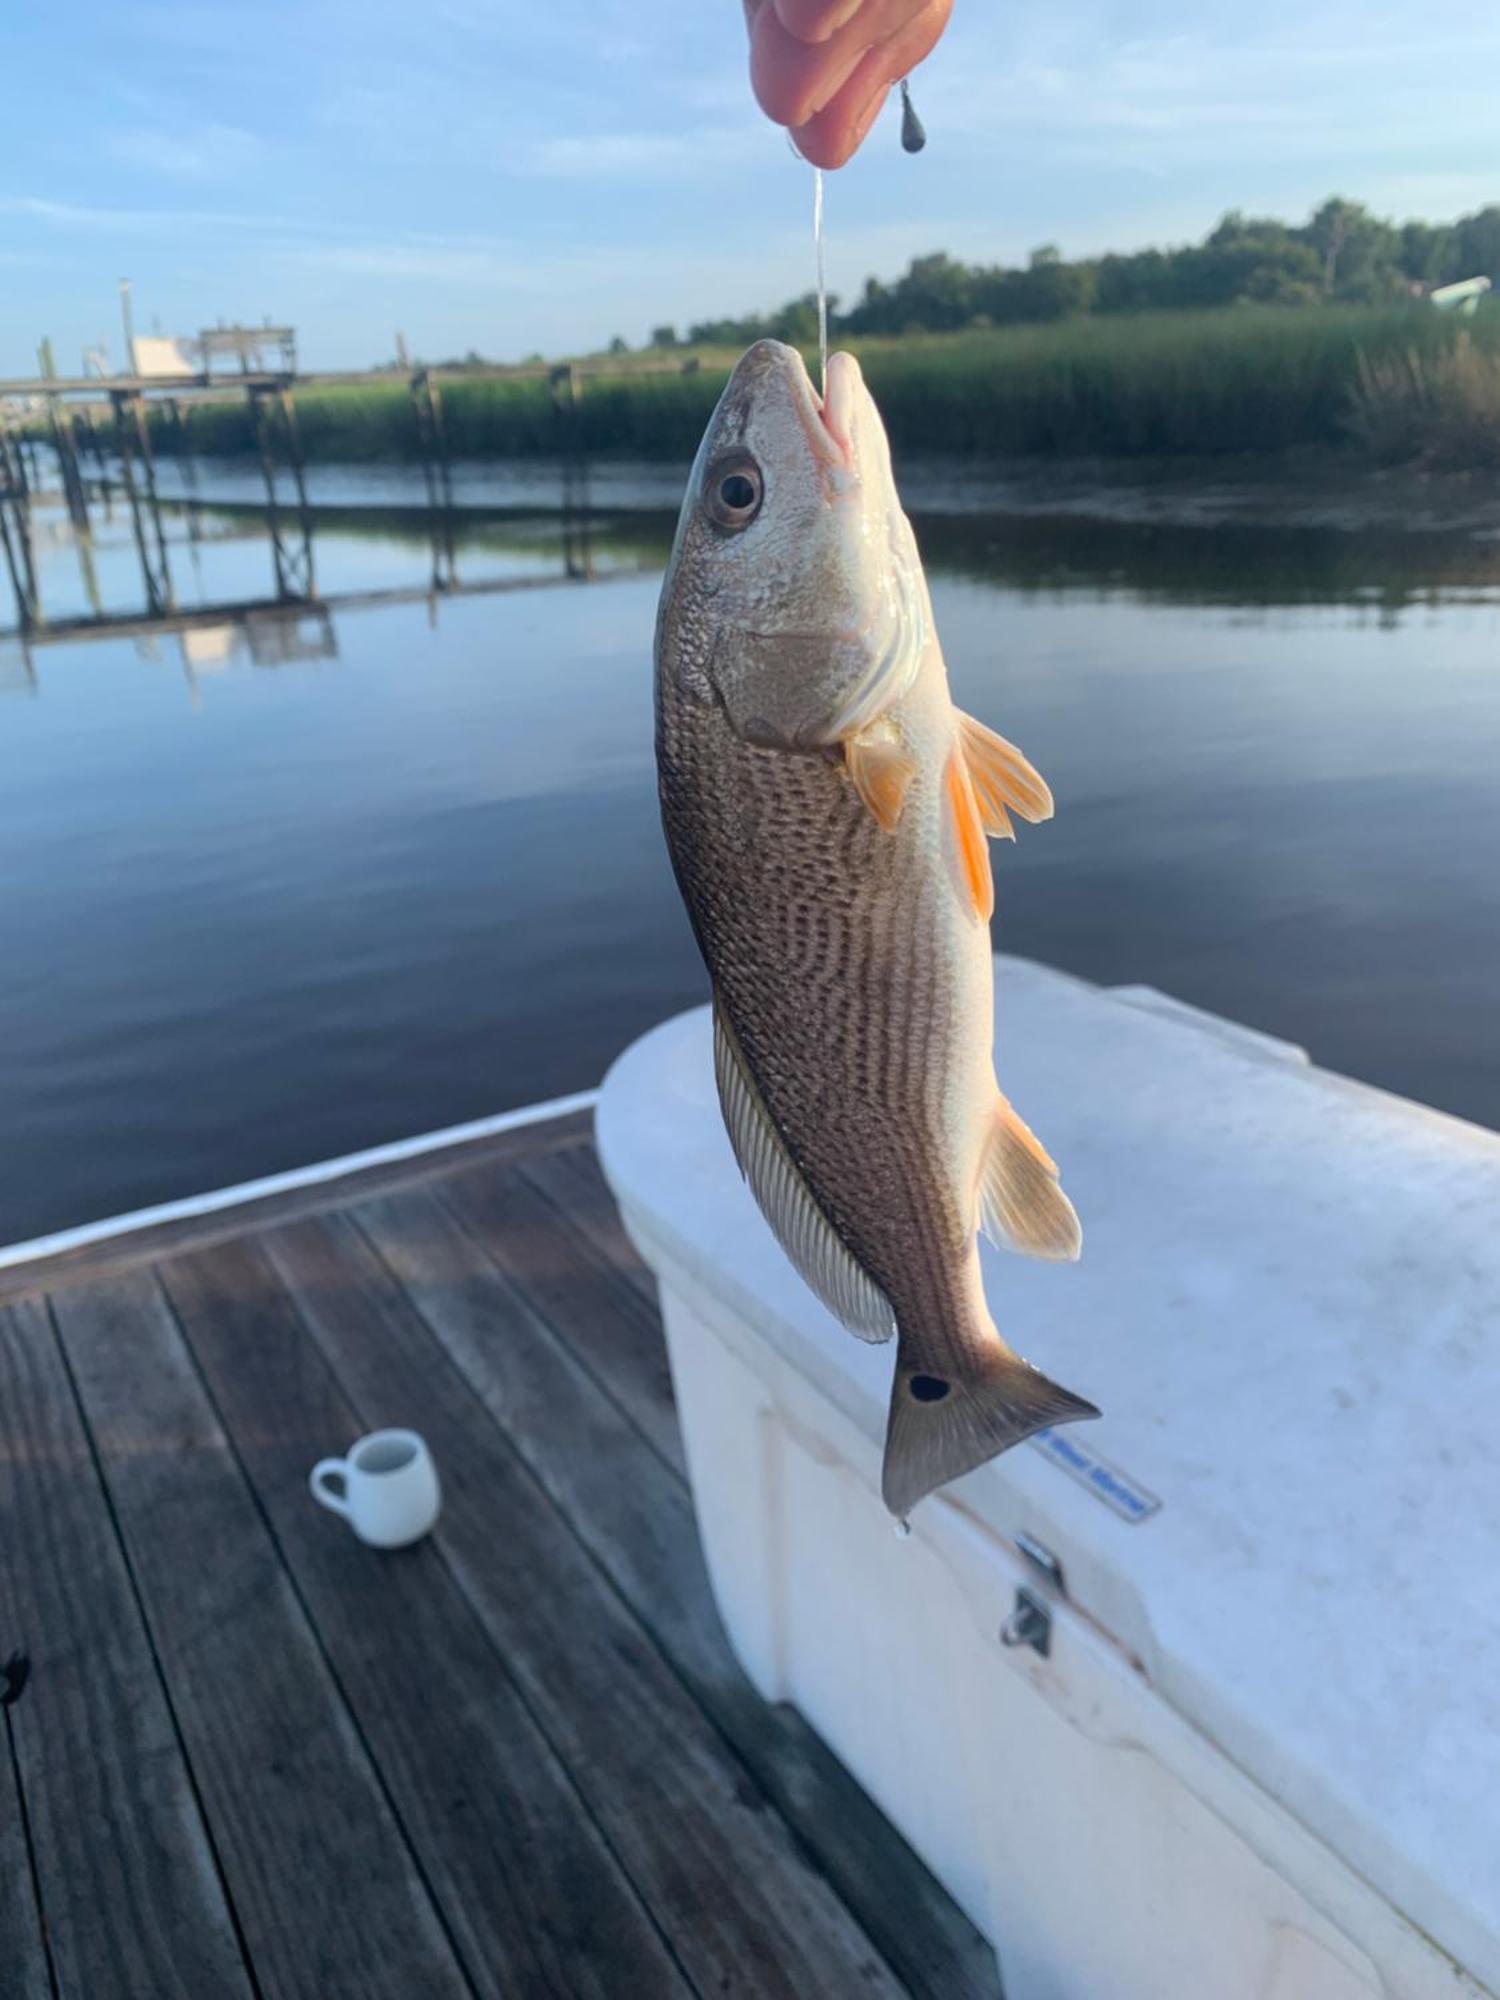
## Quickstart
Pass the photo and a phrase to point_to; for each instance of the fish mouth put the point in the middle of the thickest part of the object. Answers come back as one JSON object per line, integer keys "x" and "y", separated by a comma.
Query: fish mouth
{"x": 840, "y": 387}
{"x": 827, "y": 418}
{"x": 828, "y": 421}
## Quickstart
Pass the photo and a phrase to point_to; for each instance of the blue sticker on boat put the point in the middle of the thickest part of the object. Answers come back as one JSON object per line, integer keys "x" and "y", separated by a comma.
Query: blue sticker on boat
{"x": 1119, "y": 1492}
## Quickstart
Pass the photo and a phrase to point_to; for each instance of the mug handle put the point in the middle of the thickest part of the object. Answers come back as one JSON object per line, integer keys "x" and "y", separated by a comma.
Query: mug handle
{"x": 329, "y": 1468}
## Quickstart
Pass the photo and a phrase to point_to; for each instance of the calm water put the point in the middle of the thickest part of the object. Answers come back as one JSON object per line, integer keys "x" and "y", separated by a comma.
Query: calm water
{"x": 261, "y": 914}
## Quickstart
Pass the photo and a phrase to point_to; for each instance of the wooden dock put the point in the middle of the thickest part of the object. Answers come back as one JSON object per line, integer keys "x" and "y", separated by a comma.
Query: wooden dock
{"x": 253, "y": 1758}
{"x": 63, "y": 402}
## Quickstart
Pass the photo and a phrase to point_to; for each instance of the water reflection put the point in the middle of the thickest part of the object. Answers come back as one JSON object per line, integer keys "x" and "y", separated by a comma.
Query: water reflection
{"x": 284, "y": 879}
{"x": 221, "y": 554}
{"x": 1251, "y": 567}
{"x": 216, "y": 580}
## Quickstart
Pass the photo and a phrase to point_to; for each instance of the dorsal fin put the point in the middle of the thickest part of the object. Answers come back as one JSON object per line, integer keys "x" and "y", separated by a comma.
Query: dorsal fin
{"x": 786, "y": 1201}
{"x": 1003, "y": 781}
{"x": 1020, "y": 1201}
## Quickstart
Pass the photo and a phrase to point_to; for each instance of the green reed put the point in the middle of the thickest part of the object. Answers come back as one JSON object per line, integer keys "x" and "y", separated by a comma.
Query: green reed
{"x": 1240, "y": 379}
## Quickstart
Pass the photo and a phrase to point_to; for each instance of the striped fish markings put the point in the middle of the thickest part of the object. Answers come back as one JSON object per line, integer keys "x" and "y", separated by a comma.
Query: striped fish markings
{"x": 827, "y": 809}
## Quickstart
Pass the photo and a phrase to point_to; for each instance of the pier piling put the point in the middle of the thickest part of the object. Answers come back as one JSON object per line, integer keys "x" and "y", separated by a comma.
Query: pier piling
{"x": 145, "y": 509}
{"x": 15, "y": 533}
{"x": 565, "y": 384}
{"x": 437, "y": 476}
{"x": 291, "y": 550}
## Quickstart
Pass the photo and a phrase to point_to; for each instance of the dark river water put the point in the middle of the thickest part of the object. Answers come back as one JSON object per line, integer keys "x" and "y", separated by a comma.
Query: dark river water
{"x": 273, "y": 890}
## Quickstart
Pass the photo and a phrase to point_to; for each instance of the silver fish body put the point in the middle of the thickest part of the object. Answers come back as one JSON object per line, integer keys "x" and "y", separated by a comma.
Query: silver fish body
{"x": 825, "y": 807}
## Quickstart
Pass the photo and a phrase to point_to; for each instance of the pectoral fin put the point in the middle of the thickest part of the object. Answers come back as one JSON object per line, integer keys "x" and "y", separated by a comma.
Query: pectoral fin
{"x": 880, "y": 771}
{"x": 786, "y": 1201}
{"x": 1020, "y": 1201}
{"x": 1003, "y": 781}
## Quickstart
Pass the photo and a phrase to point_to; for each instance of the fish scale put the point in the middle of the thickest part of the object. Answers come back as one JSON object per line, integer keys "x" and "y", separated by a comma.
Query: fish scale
{"x": 824, "y": 1035}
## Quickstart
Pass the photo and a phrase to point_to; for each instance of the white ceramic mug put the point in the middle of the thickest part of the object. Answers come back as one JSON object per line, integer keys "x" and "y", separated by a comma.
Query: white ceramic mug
{"x": 387, "y": 1488}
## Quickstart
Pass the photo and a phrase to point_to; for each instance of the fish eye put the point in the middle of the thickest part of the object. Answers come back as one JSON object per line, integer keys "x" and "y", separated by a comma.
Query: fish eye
{"x": 733, "y": 491}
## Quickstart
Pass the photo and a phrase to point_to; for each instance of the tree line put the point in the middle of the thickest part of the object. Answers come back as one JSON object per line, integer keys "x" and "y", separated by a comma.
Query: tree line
{"x": 1341, "y": 254}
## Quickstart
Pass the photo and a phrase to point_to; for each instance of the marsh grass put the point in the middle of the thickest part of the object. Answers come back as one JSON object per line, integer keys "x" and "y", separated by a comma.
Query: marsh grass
{"x": 1435, "y": 407}
{"x": 1240, "y": 379}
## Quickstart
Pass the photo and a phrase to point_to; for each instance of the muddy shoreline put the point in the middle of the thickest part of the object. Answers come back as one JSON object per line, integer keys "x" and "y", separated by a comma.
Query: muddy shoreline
{"x": 1326, "y": 490}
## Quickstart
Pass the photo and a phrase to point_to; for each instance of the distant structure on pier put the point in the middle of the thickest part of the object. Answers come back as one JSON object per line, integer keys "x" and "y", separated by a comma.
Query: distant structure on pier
{"x": 160, "y": 354}
{"x": 259, "y": 350}
{"x": 254, "y": 350}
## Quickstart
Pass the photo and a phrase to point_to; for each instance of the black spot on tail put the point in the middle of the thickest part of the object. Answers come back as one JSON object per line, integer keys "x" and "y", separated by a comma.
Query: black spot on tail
{"x": 940, "y": 1429}
{"x": 929, "y": 1388}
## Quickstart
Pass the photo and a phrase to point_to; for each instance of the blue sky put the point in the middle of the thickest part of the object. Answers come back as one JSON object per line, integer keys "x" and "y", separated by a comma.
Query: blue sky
{"x": 512, "y": 178}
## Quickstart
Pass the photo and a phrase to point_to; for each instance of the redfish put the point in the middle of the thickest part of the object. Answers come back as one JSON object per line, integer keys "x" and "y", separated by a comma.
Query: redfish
{"x": 827, "y": 810}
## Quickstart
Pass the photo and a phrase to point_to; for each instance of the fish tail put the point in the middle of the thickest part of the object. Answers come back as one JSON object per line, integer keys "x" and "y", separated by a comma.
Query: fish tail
{"x": 943, "y": 1425}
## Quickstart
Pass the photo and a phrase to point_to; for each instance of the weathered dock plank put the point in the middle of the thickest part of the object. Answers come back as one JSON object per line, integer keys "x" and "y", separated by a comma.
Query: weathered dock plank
{"x": 614, "y": 1332}
{"x": 23, "y": 1950}
{"x": 533, "y": 1897}
{"x": 325, "y": 1889}
{"x": 132, "y": 1899}
{"x": 745, "y": 1910}
{"x": 256, "y": 1758}
{"x": 636, "y": 1517}
{"x": 573, "y": 1181}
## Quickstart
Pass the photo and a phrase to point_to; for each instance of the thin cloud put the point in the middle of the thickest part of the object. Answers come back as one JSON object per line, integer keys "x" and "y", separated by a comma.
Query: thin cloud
{"x": 594, "y": 156}
{"x": 427, "y": 263}
{"x": 498, "y": 265}
{"x": 1303, "y": 89}
{"x": 202, "y": 152}
{"x": 136, "y": 221}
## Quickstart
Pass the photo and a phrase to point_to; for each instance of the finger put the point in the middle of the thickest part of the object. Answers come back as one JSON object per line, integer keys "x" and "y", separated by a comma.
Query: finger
{"x": 869, "y": 21}
{"x": 793, "y": 79}
{"x": 835, "y": 132}
{"x": 815, "y": 20}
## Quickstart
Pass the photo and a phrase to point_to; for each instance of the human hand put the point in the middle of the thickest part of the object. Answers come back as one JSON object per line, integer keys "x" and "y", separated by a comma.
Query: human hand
{"x": 823, "y": 68}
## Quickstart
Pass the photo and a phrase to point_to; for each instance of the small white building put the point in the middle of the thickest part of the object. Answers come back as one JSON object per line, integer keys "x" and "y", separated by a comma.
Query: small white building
{"x": 162, "y": 355}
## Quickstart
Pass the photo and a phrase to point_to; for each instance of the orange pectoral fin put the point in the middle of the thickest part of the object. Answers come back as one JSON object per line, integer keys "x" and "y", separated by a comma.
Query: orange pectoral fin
{"x": 881, "y": 772}
{"x": 1004, "y": 782}
{"x": 968, "y": 836}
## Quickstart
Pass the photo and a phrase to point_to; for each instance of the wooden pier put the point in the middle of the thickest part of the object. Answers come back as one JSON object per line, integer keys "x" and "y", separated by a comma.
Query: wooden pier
{"x": 245, "y": 1755}
{"x": 83, "y": 413}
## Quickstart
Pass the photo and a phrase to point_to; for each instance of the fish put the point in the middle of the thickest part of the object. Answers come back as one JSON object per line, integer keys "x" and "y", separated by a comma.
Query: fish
{"x": 827, "y": 811}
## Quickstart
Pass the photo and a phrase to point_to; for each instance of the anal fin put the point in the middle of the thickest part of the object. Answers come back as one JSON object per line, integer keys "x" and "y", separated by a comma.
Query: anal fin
{"x": 1004, "y": 782}
{"x": 1021, "y": 1203}
{"x": 786, "y": 1201}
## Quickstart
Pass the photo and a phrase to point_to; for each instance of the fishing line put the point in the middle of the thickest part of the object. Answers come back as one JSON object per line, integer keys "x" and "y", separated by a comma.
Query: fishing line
{"x": 913, "y": 141}
{"x": 798, "y": 153}
{"x": 822, "y": 280}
